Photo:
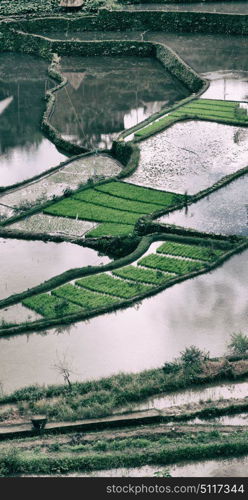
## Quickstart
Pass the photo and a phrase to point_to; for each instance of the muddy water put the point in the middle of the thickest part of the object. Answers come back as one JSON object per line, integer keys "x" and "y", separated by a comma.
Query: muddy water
{"x": 172, "y": 161}
{"x": 230, "y": 467}
{"x": 226, "y": 7}
{"x": 106, "y": 95}
{"x": 24, "y": 151}
{"x": 212, "y": 393}
{"x": 240, "y": 419}
{"x": 222, "y": 212}
{"x": 33, "y": 262}
{"x": 138, "y": 338}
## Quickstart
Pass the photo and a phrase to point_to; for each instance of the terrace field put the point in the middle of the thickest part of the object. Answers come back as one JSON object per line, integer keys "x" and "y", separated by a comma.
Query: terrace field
{"x": 123, "y": 304}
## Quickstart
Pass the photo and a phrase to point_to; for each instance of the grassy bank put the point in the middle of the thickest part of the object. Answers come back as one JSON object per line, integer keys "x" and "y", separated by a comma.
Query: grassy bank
{"x": 135, "y": 451}
{"x": 100, "y": 398}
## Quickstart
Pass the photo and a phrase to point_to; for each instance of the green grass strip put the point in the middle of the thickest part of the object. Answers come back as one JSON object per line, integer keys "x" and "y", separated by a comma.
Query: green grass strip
{"x": 203, "y": 108}
{"x": 110, "y": 230}
{"x": 216, "y": 101}
{"x": 169, "y": 264}
{"x": 192, "y": 251}
{"x": 159, "y": 124}
{"x": 112, "y": 286}
{"x": 82, "y": 297}
{"x": 142, "y": 275}
{"x": 88, "y": 211}
{"x": 50, "y": 306}
{"x": 111, "y": 201}
{"x": 139, "y": 193}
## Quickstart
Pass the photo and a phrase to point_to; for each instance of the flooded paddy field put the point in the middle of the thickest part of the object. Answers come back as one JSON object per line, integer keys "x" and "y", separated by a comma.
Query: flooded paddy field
{"x": 231, "y": 467}
{"x": 106, "y": 95}
{"x": 205, "y": 53}
{"x": 142, "y": 337}
{"x": 191, "y": 156}
{"x": 42, "y": 223}
{"x": 69, "y": 177}
{"x": 24, "y": 151}
{"x": 222, "y": 212}
{"x": 226, "y": 7}
{"x": 209, "y": 394}
{"x": 33, "y": 262}
{"x": 103, "y": 97}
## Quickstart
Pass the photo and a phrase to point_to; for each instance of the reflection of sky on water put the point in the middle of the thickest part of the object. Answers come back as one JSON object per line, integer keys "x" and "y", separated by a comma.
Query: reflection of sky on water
{"x": 24, "y": 152}
{"x": 191, "y": 156}
{"x": 33, "y": 262}
{"x": 227, "y": 85}
{"x": 223, "y": 212}
{"x": 229, "y": 467}
{"x": 204, "y": 312}
{"x": 23, "y": 162}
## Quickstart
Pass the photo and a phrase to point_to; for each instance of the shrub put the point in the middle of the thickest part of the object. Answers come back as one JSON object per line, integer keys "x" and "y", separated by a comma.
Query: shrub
{"x": 171, "y": 367}
{"x": 192, "y": 359}
{"x": 239, "y": 343}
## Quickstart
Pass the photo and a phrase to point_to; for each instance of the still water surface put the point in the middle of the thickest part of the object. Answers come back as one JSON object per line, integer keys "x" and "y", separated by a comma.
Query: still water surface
{"x": 106, "y": 95}
{"x": 24, "y": 151}
{"x": 33, "y": 262}
{"x": 222, "y": 212}
{"x": 204, "y": 311}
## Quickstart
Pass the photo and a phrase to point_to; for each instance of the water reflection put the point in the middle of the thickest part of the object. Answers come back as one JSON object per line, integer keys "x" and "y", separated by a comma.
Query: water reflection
{"x": 136, "y": 339}
{"x": 33, "y": 262}
{"x": 172, "y": 161}
{"x": 211, "y": 393}
{"x": 227, "y": 7}
{"x": 24, "y": 152}
{"x": 227, "y": 85}
{"x": 229, "y": 467}
{"x": 106, "y": 95}
{"x": 222, "y": 212}
{"x": 207, "y": 52}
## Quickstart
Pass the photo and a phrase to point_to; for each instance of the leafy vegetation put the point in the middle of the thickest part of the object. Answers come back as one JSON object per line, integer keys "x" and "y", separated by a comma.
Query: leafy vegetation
{"x": 50, "y": 306}
{"x": 88, "y": 211}
{"x": 110, "y": 230}
{"x": 85, "y": 298}
{"x": 139, "y": 193}
{"x": 177, "y": 266}
{"x": 192, "y": 359}
{"x": 162, "y": 449}
{"x": 139, "y": 274}
{"x": 192, "y": 251}
{"x": 111, "y": 201}
{"x": 207, "y": 109}
{"x": 239, "y": 343}
{"x": 10, "y": 7}
{"x": 108, "y": 284}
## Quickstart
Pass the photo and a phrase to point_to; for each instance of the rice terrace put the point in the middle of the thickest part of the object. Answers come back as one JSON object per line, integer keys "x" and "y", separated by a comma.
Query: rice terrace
{"x": 123, "y": 238}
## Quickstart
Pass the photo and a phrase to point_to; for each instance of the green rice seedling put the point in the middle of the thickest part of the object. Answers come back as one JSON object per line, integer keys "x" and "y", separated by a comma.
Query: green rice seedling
{"x": 50, "y": 306}
{"x": 169, "y": 264}
{"x": 109, "y": 229}
{"x": 111, "y": 201}
{"x": 138, "y": 193}
{"x": 85, "y": 298}
{"x": 138, "y": 274}
{"x": 209, "y": 109}
{"x": 192, "y": 251}
{"x": 70, "y": 207}
{"x": 112, "y": 286}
